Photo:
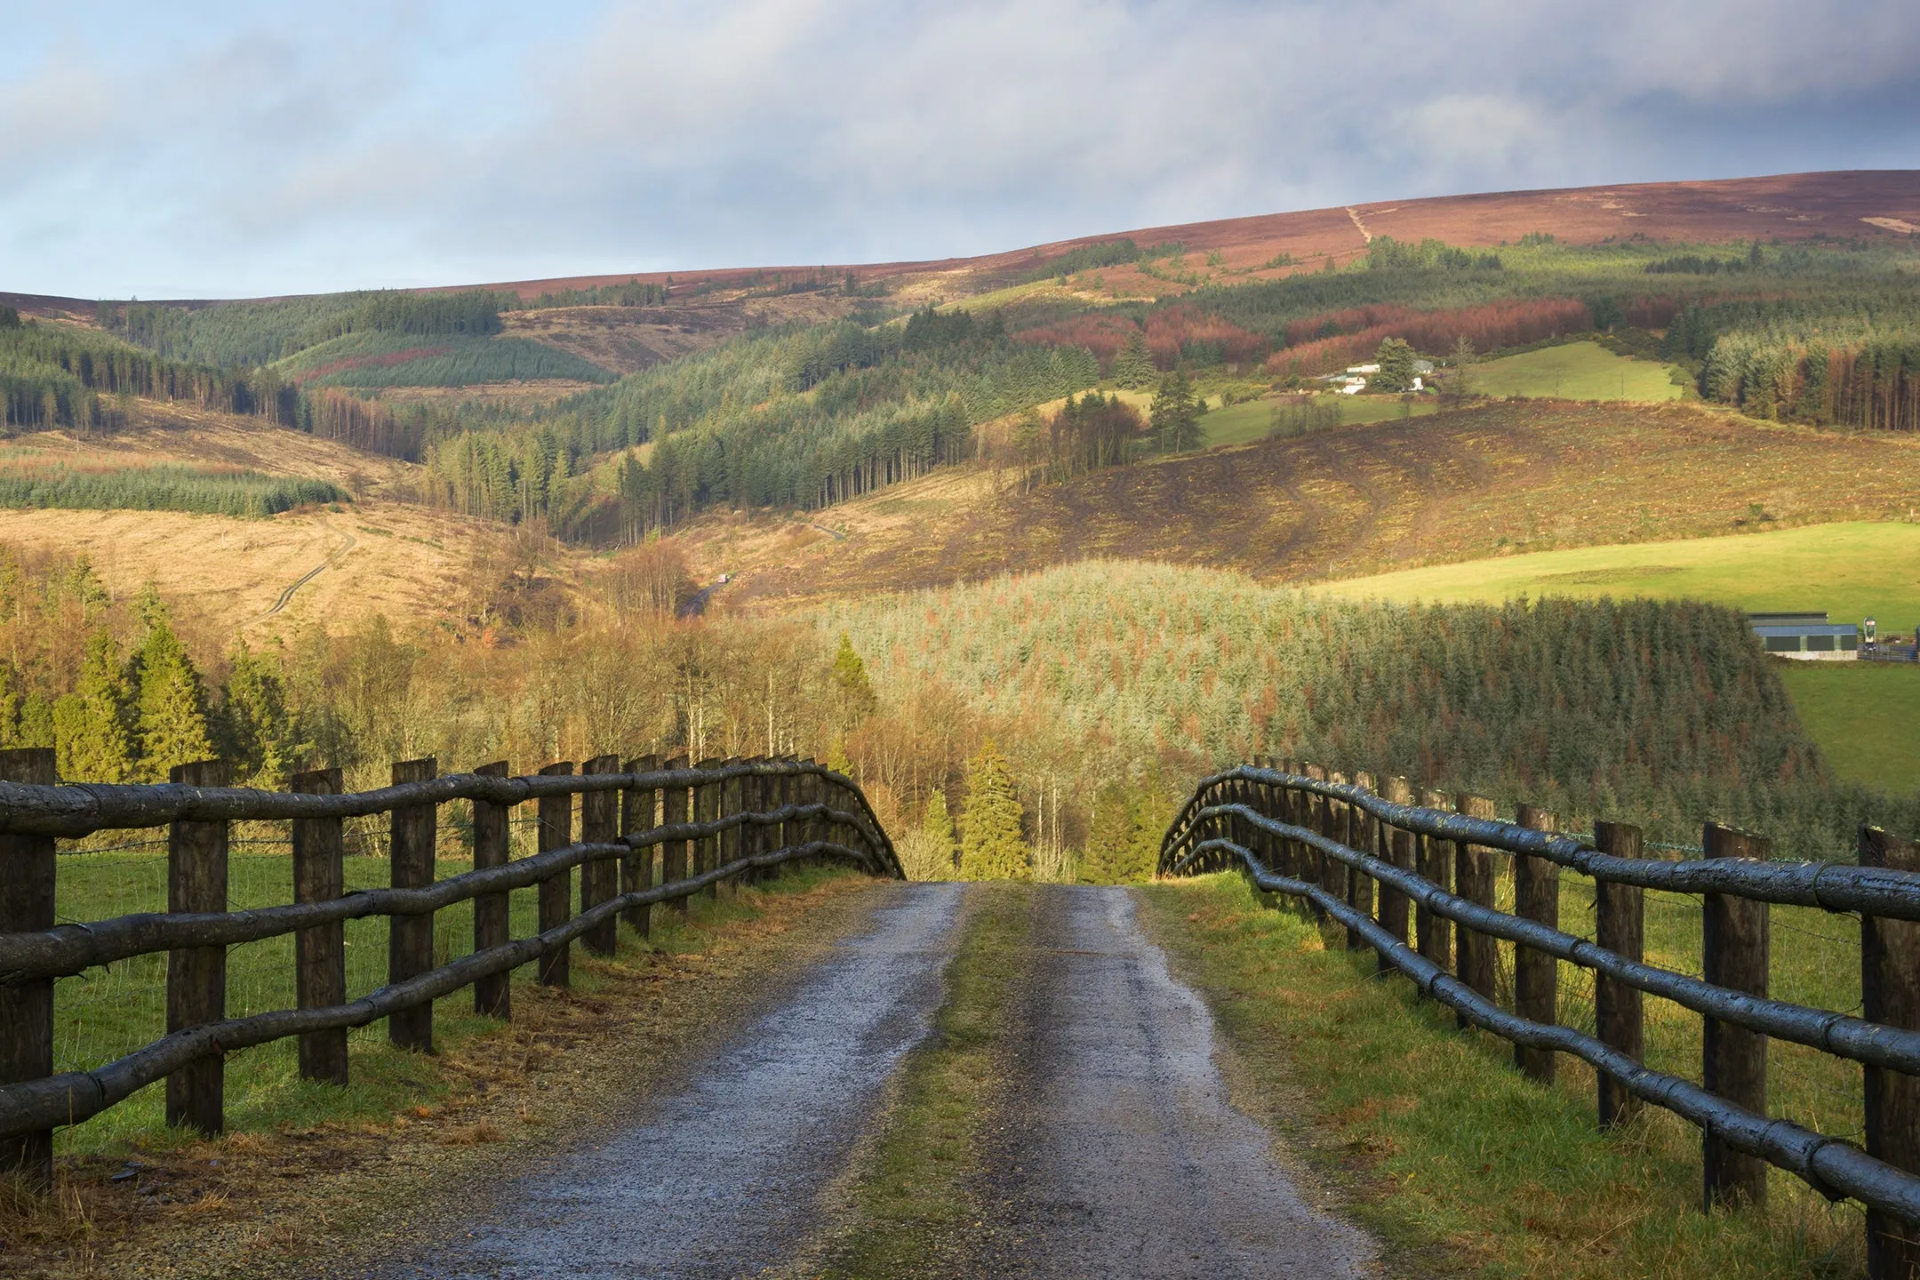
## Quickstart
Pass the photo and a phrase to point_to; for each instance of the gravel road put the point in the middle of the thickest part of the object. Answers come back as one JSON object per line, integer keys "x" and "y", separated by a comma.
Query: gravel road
{"x": 717, "y": 1180}
{"x": 1120, "y": 1154}
{"x": 1115, "y": 1151}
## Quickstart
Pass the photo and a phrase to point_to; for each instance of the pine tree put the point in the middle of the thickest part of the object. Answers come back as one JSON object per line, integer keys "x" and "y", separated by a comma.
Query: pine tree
{"x": 1175, "y": 414}
{"x": 12, "y": 697}
{"x": 1133, "y": 366}
{"x": 936, "y": 833}
{"x": 171, "y": 699}
{"x": 1395, "y": 359}
{"x": 253, "y": 728}
{"x": 91, "y": 739}
{"x": 1110, "y": 837}
{"x": 991, "y": 846}
{"x": 850, "y": 682}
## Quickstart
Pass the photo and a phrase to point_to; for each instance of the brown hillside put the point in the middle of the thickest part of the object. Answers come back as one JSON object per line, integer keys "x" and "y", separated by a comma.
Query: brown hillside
{"x": 1506, "y": 477}
{"x": 380, "y": 553}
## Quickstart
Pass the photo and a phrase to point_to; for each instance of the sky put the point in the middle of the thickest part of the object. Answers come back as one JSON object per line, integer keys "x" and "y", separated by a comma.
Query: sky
{"x": 211, "y": 148}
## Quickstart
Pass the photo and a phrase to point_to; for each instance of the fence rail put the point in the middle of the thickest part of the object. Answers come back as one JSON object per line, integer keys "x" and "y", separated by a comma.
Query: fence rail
{"x": 716, "y": 822}
{"x": 1336, "y": 846}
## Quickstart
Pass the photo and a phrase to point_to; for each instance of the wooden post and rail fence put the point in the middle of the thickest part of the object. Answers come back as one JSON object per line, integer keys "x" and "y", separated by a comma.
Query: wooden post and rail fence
{"x": 711, "y": 824}
{"x": 1314, "y": 837}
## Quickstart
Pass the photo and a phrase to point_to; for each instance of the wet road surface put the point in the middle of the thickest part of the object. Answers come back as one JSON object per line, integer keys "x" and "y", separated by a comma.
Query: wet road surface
{"x": 1114, "y": 1151}
{"x": 720, "y": 1180}
{"x": 1119, "y": 1154}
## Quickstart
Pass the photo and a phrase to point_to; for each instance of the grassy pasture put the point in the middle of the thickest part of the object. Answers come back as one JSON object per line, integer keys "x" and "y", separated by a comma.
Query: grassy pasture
{"x": 1246, "y": 422}
{"x": 1458, "y": 1162}
{"x": 1575, "y": 371}
{"x": 1852, "y": 570}
{"x": 1864, "y": 715}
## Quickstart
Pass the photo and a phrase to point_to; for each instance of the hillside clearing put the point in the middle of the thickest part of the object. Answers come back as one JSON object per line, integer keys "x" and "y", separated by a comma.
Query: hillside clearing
{"x": 409, "y": 563}
{"x": 1446, "y": 488}
{"x": 1576, "y": 371}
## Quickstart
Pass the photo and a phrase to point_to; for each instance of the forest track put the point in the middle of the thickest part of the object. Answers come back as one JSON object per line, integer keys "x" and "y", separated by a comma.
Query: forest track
{"x": 1117, "y": 1152}
{"x": 722, "y": 1178}
{"x": 332, "y": 561}
{"x": 1111, "y": 1149}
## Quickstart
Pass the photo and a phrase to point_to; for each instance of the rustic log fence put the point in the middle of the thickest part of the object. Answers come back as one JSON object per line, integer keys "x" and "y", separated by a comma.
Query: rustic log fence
{"x": 1327, "y": 843}
{"x": 747, "y": 818}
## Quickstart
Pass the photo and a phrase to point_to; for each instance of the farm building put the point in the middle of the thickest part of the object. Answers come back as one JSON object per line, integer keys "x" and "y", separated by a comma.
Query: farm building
{"x": 1806, "y": 635}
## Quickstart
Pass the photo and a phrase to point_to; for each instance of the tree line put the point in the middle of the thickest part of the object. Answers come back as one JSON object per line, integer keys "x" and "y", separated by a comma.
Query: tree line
{"x": 160, "y": 487}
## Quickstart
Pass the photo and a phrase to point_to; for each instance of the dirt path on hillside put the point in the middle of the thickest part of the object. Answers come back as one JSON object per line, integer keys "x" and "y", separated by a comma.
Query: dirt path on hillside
{"x": 1118, "y": 1153}
{"x": 721, "y": 1179}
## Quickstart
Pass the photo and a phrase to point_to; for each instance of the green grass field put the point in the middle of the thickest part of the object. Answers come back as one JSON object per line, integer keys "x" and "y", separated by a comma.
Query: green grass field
{"x": 1852, "y": 571}
{"x": 1575, "y": 371}
{"x": 1241, "y": 423}
{"x": 1861, "y": 715}
{"x": 1864, "y": 715}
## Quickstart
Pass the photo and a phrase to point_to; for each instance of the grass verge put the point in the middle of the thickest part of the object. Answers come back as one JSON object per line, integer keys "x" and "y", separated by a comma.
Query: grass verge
{"x": 340, "y": 1178}
{"x": 913, "y": 1199}
{"x": 1454, "y": 1159}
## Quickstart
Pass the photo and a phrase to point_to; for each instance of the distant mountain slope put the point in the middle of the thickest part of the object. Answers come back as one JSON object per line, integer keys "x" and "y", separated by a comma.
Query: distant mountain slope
{"x": 1874, "y": 204}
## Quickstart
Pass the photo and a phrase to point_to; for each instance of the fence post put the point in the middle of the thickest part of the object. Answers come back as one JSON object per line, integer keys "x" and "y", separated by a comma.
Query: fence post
{"x": 1337, "y": 879}
{"x": 637, "y": 809}
{"x": 1286, "y": 806}
{"x": 1734, "y": 954}
{"x": 1479, "y": 955}
{"x": 1619, "y": 927}
{"x": 673, "y": 854}
{"x": 27, "y": 874}
{"x": 492, "y": 912}
{"x": 1431, "y": 929}
{"x": 320, "y": 953}
{"x": 600, "y": 878}
{"x": 197, "y": 976}
{"x": 556, "y": 891}
{"x": 1399, "y": 852}
{"x": 1363, "y": 832}
{"x": 731, "y": 841}
{"x": 410, "y": 938}
{"x": 1264, "y": 805}
{"x": 1314, "y": 817}
{"x": 706, "y": 807}
{"x": 1536, "y": 974}
{"x": 1890, "y": 991}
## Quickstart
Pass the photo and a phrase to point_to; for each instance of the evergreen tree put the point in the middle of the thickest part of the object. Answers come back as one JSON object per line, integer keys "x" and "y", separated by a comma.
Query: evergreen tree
{"x": 1395, "y": 359}
{"x": 12, "y": 699}
{"x": 1109, "y": 838}
{"x": 171, "y": 698}
{"x": 991, "y": 846}
{"x": 91, "y": 739}
{"x": 1133, "y": 366}
{"x": 1175, "y": 414}
{"x": 253, "y": 728}
{"x": 936, "y": 833}
{"x": 36, "y": 722}
{"x": 853, "y": 689}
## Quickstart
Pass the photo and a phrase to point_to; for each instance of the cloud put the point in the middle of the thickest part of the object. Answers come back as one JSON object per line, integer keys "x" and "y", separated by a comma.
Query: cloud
{"x": 265, "y": 150}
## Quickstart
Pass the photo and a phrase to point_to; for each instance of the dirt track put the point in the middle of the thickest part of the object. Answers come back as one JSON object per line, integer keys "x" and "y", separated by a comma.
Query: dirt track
{"x": 1116, "y": 1152}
